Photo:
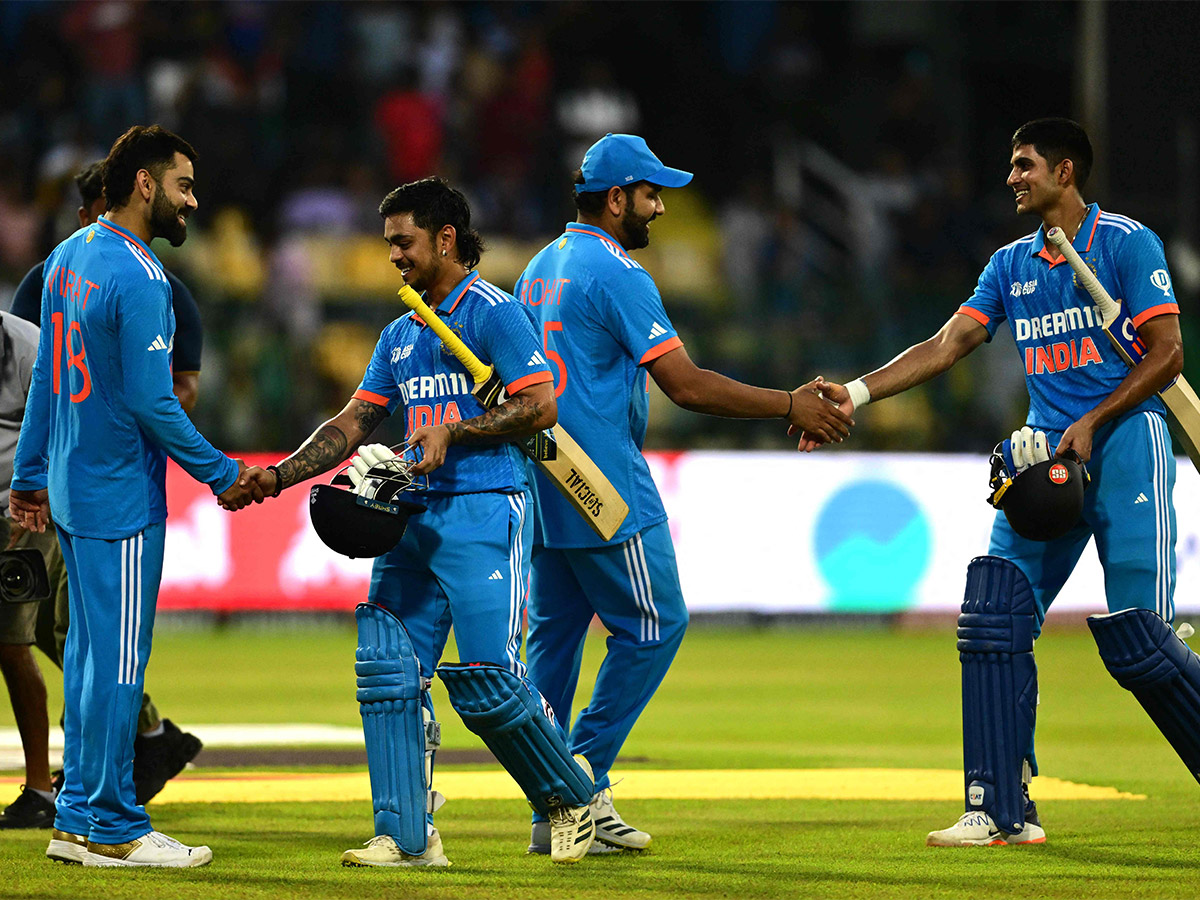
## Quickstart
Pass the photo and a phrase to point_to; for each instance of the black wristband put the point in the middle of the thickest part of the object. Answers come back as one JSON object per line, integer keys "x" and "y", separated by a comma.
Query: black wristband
{"x": 278, "y": 480}
{"x": 788, "y": 414}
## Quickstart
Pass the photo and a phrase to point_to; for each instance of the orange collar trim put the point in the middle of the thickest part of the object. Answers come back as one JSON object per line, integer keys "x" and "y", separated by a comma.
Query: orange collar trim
{"x": 575, "y": 229}
{"x": 465, "y": 286}
{"x": 137, "y": 242}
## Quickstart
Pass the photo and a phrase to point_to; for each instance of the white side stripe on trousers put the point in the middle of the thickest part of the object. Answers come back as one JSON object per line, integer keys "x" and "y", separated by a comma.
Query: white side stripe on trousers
{"x": 516, "y": 589}
{"x": 639, "y": 582}
{"x": 1160, "y": 446}
{"x": 131, "y": 608}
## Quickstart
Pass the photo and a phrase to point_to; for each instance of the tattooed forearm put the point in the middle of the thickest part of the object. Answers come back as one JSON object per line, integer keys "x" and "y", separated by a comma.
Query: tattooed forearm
{"x": 320, "y": 453}
{"x": 367, "y": 417}
{"x": 517, "y": 418}
{"x": 331, "y": 443}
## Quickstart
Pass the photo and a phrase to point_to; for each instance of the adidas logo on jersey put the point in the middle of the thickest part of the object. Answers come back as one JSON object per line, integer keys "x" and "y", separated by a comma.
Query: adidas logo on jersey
{"x": 1141, "y": 498}
{"x": 656, "y": 330}
{"x": 496, "y": 576}
{"x": 536, "y": 360}
{"x": 159, "y": 344}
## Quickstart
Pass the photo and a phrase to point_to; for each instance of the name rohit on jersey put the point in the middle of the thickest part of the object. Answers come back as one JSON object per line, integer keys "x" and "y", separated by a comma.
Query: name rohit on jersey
{"x": 1059, "y": 355}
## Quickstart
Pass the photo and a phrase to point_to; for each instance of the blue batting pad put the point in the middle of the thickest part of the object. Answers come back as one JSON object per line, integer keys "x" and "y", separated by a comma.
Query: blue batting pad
{"x": 389, "y": 697}
{"x": 1145, "y": 656}
{"x": 515, "y": 722}
{"x": 999, "y": 685}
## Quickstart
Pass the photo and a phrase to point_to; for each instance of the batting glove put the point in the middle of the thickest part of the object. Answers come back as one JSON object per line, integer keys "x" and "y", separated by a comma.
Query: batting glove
{"x": 1028, "y": 448}
{"x": 368, "y": 457}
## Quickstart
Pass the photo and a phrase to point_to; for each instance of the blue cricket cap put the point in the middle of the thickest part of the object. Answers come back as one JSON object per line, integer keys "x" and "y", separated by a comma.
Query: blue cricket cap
{"x": 617, "y": 160}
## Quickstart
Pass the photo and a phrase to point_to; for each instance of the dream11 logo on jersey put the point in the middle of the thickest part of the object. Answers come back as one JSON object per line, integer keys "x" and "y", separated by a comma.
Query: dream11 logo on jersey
{"x": 1057, "y": 356}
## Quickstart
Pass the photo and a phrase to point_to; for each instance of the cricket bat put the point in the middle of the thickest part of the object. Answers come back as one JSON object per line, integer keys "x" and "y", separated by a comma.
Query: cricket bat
{"x": 554, "y": 451}
{"x": 1183, "y": 406}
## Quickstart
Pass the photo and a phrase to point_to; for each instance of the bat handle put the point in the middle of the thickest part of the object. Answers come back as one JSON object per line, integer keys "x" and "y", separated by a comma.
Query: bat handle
{"x": 1109, "y": 308}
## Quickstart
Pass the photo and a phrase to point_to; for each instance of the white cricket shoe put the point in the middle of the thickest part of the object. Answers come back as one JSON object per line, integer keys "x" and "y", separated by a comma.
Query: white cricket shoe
{"x": 67, "y": 848}
{"x": 977, "y": 829}
{"x": 571, "y": 829}
{"x": 539, "y": 842}
{"x": 382, "y": 850}
{"x": 611, "y": 829}
{"x": 153, "y": 849}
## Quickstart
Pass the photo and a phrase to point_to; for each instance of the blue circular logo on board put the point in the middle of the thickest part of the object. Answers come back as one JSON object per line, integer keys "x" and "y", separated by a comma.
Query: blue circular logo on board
{"x": 872, "y": 547}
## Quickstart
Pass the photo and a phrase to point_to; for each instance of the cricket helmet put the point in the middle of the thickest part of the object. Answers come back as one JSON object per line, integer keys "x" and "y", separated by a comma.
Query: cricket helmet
{"x": 370, "y": 519}
{"x": 1042, "y": 502}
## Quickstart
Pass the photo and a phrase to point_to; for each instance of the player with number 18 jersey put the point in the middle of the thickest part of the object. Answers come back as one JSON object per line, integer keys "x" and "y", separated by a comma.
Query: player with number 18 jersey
{"x": 101, "y": 420}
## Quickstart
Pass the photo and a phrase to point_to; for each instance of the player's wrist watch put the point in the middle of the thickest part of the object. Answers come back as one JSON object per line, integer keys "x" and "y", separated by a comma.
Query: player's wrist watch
{"x": 278, "y": 481}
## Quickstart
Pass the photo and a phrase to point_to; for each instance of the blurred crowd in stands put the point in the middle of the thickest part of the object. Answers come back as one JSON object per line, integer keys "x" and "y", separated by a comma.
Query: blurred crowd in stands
{"x": 849, "y": 179}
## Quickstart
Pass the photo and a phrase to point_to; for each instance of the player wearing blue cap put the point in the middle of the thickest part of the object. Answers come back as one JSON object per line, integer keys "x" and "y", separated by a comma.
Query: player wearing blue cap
{"x": 1084, "y": 399}
{"x": 100, "y": 421}
{"x": 606, "y": 331}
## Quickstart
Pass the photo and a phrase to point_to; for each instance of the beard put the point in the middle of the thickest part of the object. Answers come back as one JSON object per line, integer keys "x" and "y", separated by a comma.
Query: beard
{"x": 164, "y": 220}
{"x": 636, "y": 229}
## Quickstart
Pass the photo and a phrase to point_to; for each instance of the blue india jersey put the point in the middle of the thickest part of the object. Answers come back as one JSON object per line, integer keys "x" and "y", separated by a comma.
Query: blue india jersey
{"x": 1069, "y": 364}
{"x": 412, "y": 371}
{"x": 602, "y": 321}
{"x": 102, "y": 416}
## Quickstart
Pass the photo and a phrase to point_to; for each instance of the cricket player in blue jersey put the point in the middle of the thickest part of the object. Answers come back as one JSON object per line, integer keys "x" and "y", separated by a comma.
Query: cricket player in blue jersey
{"x": 100, "y": 420}
{"x": 1082, "y": 398}
{"x": 464, "y": 561}
{"x": 604, "y": 327}
{"x": 161, "y": 749}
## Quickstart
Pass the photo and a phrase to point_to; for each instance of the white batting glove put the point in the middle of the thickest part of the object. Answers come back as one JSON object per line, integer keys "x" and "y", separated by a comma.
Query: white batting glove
{"x": 1028, "y": 447}
{"x": 368, "y": 457}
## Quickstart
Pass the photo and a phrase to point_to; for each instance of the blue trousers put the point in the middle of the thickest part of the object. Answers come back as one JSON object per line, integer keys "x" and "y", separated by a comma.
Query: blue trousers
{"x": 113, "y": 591}
{"x": 464, "y": 561}
{"x": 634, "y": 588}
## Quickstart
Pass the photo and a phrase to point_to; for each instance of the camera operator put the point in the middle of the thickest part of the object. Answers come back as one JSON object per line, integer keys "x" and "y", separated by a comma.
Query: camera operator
{"x": 24, "y": 622}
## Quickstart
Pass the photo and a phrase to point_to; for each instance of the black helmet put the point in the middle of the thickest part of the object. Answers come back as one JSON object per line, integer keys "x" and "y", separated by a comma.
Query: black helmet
{"x": 369, "y": 522}
{"x": 1042, "y": 502}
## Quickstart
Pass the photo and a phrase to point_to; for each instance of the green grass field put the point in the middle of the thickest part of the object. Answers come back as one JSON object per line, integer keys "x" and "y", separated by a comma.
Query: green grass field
{"x": 736, "y": 698}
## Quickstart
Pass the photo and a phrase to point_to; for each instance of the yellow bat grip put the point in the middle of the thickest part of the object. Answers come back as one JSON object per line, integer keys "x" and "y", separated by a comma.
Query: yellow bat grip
{"x": 453, "y": 342}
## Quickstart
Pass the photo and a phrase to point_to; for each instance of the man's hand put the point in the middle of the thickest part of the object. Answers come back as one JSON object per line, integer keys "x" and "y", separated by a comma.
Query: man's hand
{"x": 433, "y": 440}
{"x": 268, "y": 482}
{"x": 15, "y": 532}
{"x": 244, "y": 490}
{"x": 836, "y": 398}
{"x": 1078, "y": 438}
{"x": 30, "y": 509}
